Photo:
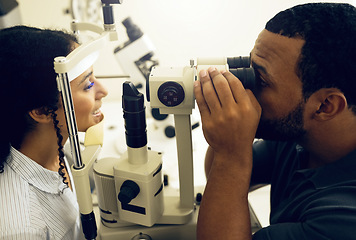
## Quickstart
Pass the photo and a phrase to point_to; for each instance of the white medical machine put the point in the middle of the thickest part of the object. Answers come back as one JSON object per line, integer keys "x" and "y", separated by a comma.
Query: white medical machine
{"x": 130, "y": 188}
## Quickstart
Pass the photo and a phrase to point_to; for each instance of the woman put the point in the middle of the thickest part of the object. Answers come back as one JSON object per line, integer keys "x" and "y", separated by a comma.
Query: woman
{"x": 36, "y": 196}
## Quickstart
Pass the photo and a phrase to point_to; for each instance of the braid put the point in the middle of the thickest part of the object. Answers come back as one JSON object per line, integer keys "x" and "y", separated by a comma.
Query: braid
{"x": 60, "y": 146}
{"x": 31, "y": 50}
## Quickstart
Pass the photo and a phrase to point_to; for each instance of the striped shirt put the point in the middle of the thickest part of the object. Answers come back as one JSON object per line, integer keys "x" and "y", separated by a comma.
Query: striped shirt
{"x": 35, "y": 203}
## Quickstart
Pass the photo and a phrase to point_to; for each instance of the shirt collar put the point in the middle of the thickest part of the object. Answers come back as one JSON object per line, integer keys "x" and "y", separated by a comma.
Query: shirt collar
{"x": 342, "y": 171}
{"x": 33, "y": 173}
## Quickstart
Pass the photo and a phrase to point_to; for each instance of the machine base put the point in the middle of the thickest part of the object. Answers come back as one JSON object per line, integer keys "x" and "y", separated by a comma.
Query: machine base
{"x": 156, "y": 232}
{"x": 162, "y": 231}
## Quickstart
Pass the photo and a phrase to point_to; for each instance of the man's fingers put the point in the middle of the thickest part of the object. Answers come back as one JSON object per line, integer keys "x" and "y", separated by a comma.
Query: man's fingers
{"x": 208, "y": 91}
{"x": 240, "y": 93}
{"x": 222, "y": 87}
{"x": 237, "y": 89}
{"x": 199, "y": 97}
{"x": 254, "y": 102}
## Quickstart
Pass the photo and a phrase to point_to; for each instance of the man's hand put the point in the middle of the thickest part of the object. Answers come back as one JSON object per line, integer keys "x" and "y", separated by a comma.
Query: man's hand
{"x": 229, "y": 113}
{"x": 230, "y": 116}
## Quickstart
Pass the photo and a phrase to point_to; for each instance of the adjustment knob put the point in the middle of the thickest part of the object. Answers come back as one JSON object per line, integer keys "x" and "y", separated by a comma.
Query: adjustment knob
{"x": 141, "y": 236}
{"x": 171, "y": 94}
{"x": 170, "y": 131}
{"x": 157, "y": 115}
{"x": 128, "y": 191}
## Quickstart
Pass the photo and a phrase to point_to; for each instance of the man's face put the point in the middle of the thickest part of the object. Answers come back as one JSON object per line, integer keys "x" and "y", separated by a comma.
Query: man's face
{"x": 279, "y": 90}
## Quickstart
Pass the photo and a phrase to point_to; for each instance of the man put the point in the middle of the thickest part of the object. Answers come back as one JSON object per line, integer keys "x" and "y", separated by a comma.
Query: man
{"x": 304, "y": 107}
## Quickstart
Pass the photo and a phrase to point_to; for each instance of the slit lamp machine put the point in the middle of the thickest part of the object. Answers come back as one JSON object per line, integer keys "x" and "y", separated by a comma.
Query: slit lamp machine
{"x": 130, "y": 188}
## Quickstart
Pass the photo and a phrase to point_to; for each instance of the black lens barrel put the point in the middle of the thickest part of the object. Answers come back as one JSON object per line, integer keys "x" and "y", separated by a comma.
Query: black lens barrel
{"x": 240, "y": 67}
{"x": 134, "y": 116}
{"x": 246, "y": 76}
{"x": 239, "y": 62}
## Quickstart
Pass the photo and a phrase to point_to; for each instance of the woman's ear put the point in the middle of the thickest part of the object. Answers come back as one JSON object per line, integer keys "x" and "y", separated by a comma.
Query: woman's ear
{"x": 330, "y": 103}
{"x": 40, "y": 116}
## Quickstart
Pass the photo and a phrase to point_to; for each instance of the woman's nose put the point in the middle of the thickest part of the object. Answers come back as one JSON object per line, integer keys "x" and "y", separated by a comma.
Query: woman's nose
{"x": 101, "y": 90}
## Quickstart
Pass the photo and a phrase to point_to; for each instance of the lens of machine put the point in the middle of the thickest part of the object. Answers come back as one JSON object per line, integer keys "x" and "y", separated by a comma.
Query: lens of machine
{"x": 246, "y": 76}
{"x": 239, "y": 62}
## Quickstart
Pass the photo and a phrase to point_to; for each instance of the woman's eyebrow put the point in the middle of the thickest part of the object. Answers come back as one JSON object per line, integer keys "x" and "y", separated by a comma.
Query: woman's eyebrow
{"x": 85, "y": 77}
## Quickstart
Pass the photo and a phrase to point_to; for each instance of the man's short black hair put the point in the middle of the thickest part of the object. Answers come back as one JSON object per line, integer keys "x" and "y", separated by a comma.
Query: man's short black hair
{"x": 328, "y": 57}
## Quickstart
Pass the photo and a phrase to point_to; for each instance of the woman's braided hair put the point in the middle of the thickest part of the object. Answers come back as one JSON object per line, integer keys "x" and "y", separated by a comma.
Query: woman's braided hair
{"x": 28, "y": 82}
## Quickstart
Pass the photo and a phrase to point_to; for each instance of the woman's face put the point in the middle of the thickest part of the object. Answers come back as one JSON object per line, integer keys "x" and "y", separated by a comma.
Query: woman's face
{"x": 87, "y": 93}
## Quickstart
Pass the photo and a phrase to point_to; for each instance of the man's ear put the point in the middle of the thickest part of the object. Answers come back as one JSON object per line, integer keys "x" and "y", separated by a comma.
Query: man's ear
{"x": 40, "y": 116}
{"x": 329, "y": 103}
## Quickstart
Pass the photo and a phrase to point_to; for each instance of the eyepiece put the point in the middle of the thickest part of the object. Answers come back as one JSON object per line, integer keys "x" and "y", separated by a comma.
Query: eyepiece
{"x": 132, "y": 30}
{"x": 246, "y": 76}
{"x": 239, "y": 62}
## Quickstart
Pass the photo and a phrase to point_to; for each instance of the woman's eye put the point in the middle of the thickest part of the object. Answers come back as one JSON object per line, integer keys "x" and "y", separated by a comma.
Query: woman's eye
{"x": 89, "y": 86}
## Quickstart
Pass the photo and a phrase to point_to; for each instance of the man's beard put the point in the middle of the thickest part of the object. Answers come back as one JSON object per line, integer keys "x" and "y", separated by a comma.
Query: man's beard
{"x": 290, "y": 127}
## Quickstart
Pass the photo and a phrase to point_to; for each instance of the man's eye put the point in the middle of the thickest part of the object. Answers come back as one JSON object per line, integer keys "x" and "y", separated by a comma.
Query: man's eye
{"x": 263, "y": 83}
{"x": 260, "y": 81}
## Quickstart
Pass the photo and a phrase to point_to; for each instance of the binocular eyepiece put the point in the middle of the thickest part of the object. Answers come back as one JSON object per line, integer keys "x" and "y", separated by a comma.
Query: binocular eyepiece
{"x": 240, "y": 67}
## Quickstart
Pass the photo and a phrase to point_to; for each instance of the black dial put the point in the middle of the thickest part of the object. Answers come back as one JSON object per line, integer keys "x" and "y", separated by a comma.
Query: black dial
{"x": 171, "y": 94}
{"x": 128, "y": 191}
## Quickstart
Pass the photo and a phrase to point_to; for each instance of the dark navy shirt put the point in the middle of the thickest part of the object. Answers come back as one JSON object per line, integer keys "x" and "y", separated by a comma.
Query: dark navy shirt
{"x": 313, "y": 204}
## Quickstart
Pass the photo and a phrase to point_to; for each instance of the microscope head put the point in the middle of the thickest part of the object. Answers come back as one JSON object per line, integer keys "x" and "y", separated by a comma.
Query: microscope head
{"x": 135, "y": 56}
